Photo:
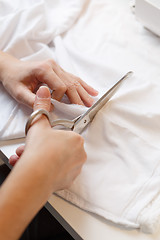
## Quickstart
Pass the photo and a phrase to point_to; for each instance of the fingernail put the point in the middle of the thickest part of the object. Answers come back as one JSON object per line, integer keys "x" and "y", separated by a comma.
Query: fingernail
{"x": 43, "y": 92}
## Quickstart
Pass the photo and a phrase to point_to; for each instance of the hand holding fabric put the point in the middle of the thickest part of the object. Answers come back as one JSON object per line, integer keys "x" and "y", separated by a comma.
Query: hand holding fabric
{"x": 22, "y": 79}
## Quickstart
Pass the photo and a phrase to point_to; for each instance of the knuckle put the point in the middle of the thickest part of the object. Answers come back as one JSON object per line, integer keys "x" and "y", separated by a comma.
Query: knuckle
{"x": 52, "y": 64}
{"x": 41, "y": 69}
{"x": 78, "y": 79}
{"x": 62, "y": 88}
{"x": 51, "y": 61}
{"x": 76, "y": 84}
{"x": 41, "y": 104}
{"x": 71, "y": 88}
{"x": 79, "y": 139}
{"x": 73, "y": 85}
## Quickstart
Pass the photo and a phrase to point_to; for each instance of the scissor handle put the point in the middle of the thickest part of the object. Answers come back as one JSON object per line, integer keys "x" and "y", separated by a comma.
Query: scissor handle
{"x": 34, "y": 115}
{"x": 63, "y": 122}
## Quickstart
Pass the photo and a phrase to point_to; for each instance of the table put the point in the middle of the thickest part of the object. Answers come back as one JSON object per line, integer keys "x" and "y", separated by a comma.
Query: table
{"x": 79, "y": 223}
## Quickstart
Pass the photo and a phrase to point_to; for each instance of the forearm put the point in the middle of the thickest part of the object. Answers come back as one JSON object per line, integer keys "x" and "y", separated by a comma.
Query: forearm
{"x": 21, "y": 196}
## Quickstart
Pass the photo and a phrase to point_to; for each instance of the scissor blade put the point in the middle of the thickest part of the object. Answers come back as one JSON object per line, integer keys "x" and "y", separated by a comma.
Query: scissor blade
{"x": 87, "y": 117}
{"x": 106, "y": 97}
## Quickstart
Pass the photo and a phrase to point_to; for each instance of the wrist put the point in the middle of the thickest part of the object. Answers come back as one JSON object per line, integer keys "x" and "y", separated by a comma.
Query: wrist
{"x": 33, "y": 164}
{"x": 5, "y": 62}
{"x": 23, "y": 191}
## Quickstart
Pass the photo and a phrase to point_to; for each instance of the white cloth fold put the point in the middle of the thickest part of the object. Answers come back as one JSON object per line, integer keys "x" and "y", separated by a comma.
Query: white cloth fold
{"x": 99, "y": 41}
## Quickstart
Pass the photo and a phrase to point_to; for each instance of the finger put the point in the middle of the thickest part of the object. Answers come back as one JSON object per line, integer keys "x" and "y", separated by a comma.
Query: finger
{"x": 43, "y": 99}
{"x": 25, "y": 96}
{"x": 71, "y": 86}
{"x": 88, "y": 88}
{"x": 13, "y": 159}
{"x": 76, "y": 84}
{"x": 74, "y": 96}
{"x": 86, "y": 98}
{"x": 59, "y": 89}
{"x": 20, "y": 150}
{"x": 55, "y": 83}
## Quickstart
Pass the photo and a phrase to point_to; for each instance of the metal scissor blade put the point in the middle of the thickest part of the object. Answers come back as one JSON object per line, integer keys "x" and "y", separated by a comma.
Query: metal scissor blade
{"x": 87, "y": 117}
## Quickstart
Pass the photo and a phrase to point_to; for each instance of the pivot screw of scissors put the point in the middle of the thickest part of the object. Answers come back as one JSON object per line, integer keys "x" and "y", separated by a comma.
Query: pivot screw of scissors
{"x": 85, "y": 121}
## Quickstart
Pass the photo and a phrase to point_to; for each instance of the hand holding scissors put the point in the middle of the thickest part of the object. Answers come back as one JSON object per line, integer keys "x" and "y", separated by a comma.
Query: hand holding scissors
{"x": 79, "y": 123}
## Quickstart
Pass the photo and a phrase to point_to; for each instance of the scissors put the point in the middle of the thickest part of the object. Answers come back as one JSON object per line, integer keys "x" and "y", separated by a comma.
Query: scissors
{"x": 79, "y": 123}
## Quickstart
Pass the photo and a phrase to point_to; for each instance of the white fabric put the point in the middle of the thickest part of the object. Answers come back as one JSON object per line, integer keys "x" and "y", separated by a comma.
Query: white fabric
{"x": 99, "y": 40}
{"x": 27, "y": 30}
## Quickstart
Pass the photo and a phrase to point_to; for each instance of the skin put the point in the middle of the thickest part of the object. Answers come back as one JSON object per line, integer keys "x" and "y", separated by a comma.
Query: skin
{"x": 51, "y": 159}
{"x": 22, "y": 79}
{"x": 39, "y": 172}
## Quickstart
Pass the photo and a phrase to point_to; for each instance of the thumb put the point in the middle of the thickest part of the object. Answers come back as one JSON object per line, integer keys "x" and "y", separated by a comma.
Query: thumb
{"x": 43, "y": 99}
